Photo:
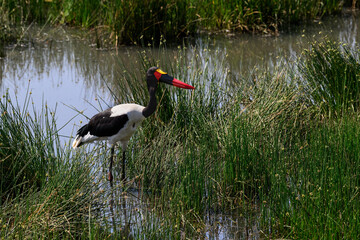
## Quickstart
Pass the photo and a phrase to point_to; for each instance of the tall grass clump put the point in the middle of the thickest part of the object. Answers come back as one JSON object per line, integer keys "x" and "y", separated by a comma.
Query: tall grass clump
{"x": 288, "y": 151}
{"x": 330, "y": 71}
{"x": 313, "y": 187}
{"x": 166, "y": 153}
{"x": 265, "y": 141}
{"x": 261, "y": 15}
{"x": 6, "y": 33}
{"x": 45, "y": 190}
{"x": 19, "y": 12}
{"x": 209, "y": 149}
{"x": 264, "y": 122}
{"x": 24, "y": 152}
{"x": 128, "y": 22}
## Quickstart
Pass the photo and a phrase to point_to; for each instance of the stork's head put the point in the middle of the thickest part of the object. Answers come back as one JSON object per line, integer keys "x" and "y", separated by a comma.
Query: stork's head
{"x": 155, "y": 75}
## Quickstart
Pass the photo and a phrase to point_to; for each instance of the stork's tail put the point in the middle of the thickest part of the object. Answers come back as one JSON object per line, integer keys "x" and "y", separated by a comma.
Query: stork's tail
{"x": 79, "y": 136}
{"x": 77, "y": 142}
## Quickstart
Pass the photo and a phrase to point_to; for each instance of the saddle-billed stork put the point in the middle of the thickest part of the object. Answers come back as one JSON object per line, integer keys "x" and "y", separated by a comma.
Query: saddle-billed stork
{"x": 118, "y": 124}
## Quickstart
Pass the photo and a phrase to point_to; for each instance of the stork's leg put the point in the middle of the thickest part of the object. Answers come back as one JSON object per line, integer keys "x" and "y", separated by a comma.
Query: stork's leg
{"x": 110, "y": 176}
{"x": 123, "y": 167}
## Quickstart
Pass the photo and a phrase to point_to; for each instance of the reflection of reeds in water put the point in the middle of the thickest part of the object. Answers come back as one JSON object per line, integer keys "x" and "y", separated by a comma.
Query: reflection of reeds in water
{"x": 80, "y": 61}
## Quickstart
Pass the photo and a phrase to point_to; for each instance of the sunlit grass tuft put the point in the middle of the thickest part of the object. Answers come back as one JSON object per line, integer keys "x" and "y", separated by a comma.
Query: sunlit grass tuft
{"x": 330, "y": 73}
{"x": 46, "y": 191}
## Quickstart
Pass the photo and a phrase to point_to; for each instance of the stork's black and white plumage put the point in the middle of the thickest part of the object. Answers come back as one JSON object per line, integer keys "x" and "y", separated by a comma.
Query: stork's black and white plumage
{"x": 118, "y": 124}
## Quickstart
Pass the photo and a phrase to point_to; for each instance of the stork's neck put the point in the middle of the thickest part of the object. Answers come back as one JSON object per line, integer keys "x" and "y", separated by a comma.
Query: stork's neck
{"x": 151, "y": 107}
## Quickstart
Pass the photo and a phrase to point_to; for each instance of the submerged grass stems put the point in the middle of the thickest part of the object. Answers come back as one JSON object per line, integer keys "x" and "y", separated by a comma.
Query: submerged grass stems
{"x": 46, "y": 191}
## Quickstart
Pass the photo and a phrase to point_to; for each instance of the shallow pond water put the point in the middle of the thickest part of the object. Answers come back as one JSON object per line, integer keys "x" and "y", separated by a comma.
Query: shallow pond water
{"x": 65, "y": 73}
{"x": 69, "y": 75}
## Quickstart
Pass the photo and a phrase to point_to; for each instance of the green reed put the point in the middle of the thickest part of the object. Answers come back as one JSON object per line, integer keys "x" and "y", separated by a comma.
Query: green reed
{"x": 228, "y": 145}
{"x": 46, "y": 191}
{"x": 264, "y": 141}
{"x": 261, "y": 15}
{"x": 135, "y": 21}
{"x": 314, "y": 190}
{"x": 331, "y": 71}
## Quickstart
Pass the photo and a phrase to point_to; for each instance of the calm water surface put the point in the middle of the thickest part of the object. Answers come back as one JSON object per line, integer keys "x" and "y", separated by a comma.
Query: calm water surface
{"x": 70, "y": 76}
{"x": 66, "y": 73}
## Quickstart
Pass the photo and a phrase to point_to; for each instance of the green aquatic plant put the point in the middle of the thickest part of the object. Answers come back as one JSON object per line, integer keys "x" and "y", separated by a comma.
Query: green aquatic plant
{"x": 330, "y": 74}
{"x": 141, "y": 22}
{"x": 233, "y": 144}
{"x": 46, "y": 191}
{"x": 263, "y": 144}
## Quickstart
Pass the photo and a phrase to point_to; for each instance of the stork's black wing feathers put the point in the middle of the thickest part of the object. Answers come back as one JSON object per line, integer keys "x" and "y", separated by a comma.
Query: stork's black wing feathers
{"x": 83, "y": 130}
{"x": 102, "y": 125}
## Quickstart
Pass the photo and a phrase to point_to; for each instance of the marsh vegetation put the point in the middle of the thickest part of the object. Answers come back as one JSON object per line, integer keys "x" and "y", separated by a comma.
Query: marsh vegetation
{"x": 283, "y": 142}
{"x": 135, "y": 21}
{"x": 277, "y": 149}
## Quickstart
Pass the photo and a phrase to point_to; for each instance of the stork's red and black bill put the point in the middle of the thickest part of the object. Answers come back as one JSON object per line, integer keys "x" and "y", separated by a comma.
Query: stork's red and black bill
{"x": 162, "y": 76}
